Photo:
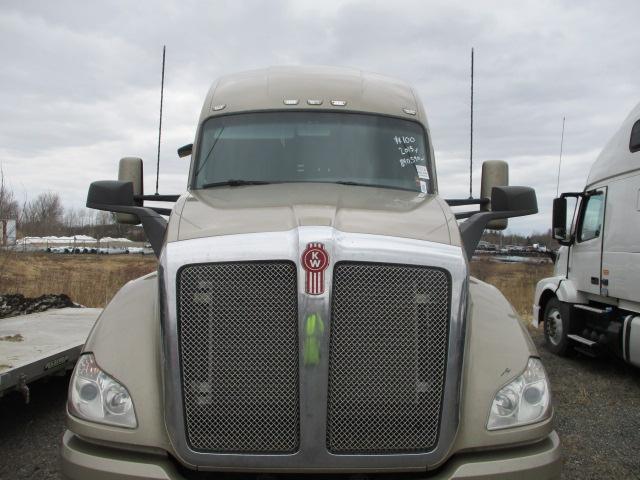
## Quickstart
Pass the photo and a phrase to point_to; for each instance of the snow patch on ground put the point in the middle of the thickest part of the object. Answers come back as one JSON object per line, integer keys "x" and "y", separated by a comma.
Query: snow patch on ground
{"x": 70, "y": 240}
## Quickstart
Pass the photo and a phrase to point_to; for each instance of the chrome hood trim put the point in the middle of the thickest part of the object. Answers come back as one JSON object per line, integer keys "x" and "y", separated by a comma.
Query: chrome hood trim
{"x": 312, "y": 455}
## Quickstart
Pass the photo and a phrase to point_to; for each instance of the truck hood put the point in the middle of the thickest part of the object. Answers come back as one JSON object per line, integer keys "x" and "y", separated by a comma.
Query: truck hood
{"x": 285, "y": 206}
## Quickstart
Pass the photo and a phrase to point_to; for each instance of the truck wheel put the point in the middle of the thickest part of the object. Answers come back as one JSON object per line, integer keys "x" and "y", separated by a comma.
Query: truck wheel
{"x": 556, "y": 327}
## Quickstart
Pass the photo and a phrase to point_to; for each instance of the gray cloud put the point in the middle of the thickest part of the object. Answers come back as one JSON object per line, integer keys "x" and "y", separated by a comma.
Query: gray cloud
{"x": 80, "y": 81}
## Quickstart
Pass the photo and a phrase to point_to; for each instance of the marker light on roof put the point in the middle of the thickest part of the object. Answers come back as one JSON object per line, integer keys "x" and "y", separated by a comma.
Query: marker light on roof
{"x": 312, "y": 101}
{"x": 290, "y": 101}
{"x": 219, "y": 107}
{"x": 409, "y": 111}
{"x": 338, "y": 103}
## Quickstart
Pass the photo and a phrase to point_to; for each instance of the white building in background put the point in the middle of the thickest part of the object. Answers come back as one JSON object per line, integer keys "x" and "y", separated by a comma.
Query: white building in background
{"x": 8, "y": 232}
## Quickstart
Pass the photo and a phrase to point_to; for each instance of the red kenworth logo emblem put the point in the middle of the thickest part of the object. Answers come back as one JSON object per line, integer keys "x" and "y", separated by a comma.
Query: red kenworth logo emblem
{"x": 315, "y": 261}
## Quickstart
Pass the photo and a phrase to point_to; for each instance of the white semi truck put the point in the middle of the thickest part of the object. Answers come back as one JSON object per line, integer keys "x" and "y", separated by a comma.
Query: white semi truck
{"x": 592, "y": 302}
{"x": 313, "y": 311}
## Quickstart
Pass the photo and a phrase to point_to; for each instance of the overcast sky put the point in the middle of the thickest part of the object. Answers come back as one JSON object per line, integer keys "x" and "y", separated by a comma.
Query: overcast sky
{"x": 80, "y": 81}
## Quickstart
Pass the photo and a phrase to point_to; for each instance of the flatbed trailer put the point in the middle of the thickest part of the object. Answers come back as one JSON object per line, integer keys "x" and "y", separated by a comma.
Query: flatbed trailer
{"x": 41, "y": 344}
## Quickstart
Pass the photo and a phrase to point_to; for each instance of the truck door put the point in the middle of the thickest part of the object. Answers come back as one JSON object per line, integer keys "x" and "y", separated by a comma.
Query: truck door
{"x": 586, "y": 253}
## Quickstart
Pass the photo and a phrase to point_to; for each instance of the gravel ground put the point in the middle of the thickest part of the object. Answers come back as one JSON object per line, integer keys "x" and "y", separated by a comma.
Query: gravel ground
{"x": 597, "y": 414}
{"x": 597, "y": 404}
{"x": 30, "y": 435}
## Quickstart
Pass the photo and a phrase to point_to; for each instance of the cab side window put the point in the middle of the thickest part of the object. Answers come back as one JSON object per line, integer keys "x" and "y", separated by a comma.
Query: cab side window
{"x": 634, "y": 141}
{"x": 591, "y": 224}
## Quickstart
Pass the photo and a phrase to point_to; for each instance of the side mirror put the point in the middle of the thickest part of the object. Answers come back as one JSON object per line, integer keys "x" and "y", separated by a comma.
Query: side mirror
{"x": 130, "y": 170}
{"x": 118, "y": 197}
{"x": 495, "y": 173}
{"x": 560, "y": 230}
{"x": 634, "y": 141}
{"x": 185, "y": 150}
{"x": 514, "y": 201}
{"x": 559, "y": 222}
{"x": 125, "y": 198}
{"x": 108, "y": 194}
{"x": 506, "y": 202}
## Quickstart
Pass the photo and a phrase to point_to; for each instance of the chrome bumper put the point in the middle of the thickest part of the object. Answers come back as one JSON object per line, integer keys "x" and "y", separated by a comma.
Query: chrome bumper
{"x": 539, "y": 461}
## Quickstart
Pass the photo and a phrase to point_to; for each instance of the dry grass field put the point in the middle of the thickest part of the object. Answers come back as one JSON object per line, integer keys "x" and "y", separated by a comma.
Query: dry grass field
{"x": 517, "y": 281}
{"x": 90, "y": 280}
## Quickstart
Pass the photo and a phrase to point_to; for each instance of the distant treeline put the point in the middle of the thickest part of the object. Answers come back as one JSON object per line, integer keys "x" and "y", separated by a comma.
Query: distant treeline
{"x": 45, "y": 215}
{"x": 501, "y": 238}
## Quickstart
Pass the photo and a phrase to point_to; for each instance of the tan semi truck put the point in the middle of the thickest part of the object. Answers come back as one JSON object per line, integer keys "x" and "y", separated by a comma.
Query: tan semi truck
{"x": 312, "y": 312}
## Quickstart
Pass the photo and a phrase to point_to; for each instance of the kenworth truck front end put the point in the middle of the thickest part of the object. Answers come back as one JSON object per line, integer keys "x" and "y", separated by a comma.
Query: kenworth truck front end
{"x": 312, "y": 312}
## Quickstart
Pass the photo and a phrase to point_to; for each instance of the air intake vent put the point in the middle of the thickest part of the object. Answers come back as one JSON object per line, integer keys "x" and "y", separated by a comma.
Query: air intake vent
{"x": 238, "y": 334}
{"x": 389, "y": 334}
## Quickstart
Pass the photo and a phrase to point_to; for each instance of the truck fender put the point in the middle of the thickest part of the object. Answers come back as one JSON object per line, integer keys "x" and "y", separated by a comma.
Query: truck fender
{"x": 567, "y": 292}
{"x": 126, "y": 342}
{"x": 492, "y": 326}
{"x": 545, "y": 289}
{"x": 562, "y": 288}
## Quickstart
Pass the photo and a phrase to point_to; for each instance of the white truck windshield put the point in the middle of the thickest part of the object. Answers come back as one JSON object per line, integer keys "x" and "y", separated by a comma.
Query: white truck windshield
{"x": 274, "y": 147}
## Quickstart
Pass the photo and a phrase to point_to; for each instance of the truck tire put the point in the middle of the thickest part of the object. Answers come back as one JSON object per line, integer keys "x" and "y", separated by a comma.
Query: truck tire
{"x": 556, "y": 327}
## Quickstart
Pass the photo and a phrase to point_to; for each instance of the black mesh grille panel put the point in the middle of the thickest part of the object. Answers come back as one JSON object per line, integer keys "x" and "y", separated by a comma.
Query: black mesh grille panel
{"x": 389, "y": 334}
{"x": 239, "y": 352}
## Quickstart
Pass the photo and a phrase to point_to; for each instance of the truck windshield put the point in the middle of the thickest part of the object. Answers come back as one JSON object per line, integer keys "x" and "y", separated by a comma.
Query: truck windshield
{"x": 273, "y": 147}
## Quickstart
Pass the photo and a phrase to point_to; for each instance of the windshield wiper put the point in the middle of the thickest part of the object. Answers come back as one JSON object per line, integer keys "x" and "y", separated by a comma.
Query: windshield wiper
{"x": 235, "y": 183}
{"x": 374, "y": 185}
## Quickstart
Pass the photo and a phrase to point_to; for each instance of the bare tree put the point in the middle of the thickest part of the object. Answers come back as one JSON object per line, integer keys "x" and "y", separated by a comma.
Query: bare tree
{"x": 71, "y": 218}
{"x": 43, "y": 215}
{"x": 8, "y": 205}
{"x": 103, "y": 218}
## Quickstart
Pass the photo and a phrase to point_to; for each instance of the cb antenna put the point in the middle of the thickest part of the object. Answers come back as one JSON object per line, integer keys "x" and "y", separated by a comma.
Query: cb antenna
{"x": 560, "y": 161}
{"x": 160, "y": 126}
{"x": 471, "y": 141}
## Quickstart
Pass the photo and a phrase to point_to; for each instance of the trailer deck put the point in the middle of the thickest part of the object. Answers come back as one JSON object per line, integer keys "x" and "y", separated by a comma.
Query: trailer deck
{"x": 41, "y": 344}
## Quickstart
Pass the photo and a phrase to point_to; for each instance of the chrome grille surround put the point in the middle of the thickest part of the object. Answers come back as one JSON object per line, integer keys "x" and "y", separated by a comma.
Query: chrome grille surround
{"x": 388, "y": 349}
{"x": 312, "y": 456}
{"x": 238, "y": 333}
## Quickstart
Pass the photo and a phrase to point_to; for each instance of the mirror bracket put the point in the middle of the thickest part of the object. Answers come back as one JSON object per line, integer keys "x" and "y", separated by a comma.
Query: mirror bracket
{"x": 506, "y": 202}
{"x": 117, "y": 196}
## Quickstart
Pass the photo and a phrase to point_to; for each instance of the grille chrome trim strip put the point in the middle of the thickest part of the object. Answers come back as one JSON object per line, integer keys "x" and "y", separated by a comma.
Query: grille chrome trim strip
{"x": 312, "y": 456}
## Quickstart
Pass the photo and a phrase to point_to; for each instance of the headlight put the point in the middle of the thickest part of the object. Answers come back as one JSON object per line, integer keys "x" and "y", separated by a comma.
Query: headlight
{"x": 525, "y": 400}
{"x": 97, "y": 397}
